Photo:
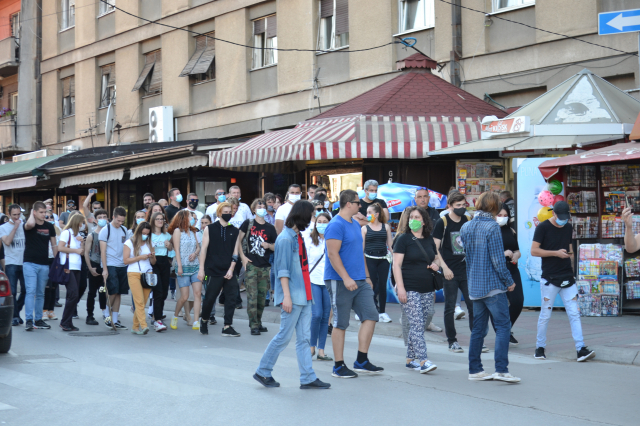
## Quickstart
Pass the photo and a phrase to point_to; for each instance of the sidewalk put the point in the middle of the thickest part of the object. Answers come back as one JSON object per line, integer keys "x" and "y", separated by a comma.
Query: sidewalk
{"x": 615, "y": 339}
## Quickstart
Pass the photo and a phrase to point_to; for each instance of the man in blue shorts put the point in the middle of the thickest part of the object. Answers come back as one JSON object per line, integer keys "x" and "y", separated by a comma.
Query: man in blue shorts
{"x": 349, "y": 285}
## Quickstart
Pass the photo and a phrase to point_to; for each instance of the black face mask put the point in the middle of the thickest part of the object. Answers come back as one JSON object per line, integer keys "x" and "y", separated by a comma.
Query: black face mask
{"x": 460, "y": 212}
{"x": 226, "y": 217}
{"x": 193, "y": 204}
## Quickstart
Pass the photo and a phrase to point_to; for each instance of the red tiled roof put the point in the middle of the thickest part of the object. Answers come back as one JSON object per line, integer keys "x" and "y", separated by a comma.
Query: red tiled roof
{"x": 417, "y": 61}
{"x": 415, "y": 94}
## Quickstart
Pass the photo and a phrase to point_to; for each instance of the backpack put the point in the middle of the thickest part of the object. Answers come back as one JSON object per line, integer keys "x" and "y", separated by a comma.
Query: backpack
{"x": 245, "y": 240}
{"x": 109, "y": 232}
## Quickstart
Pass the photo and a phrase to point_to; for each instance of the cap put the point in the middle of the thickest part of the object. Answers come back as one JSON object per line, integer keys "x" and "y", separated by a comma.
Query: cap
{"x": 561, "y": 209}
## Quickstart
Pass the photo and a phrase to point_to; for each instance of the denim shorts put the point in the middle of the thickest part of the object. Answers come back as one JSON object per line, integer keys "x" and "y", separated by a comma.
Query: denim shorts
{"x": 187, "y": 280}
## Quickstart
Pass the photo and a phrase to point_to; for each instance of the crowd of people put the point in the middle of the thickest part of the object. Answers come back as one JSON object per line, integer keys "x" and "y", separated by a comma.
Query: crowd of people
{"x": 314, "y": 262}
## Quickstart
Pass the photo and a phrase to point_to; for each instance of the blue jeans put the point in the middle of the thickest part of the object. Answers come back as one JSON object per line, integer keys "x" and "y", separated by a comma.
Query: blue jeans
{"x": 35, "y": 279}
{"x": 320, "y": 315}
{"x": 14, "y": 274}
{"x": 498, "y": 307}
{"x": 299, "y": 320}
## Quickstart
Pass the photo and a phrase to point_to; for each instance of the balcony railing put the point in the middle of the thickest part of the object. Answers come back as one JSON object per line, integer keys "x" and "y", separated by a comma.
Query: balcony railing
{"x": 8, "y": 57}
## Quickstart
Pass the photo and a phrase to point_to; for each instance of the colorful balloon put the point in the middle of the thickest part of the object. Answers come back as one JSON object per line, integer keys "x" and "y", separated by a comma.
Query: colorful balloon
{"x": 545, "y": 198}
{"x": 555, "y": 187}
{"x": 545, "y": 213}
{"x": 557, "y": 198}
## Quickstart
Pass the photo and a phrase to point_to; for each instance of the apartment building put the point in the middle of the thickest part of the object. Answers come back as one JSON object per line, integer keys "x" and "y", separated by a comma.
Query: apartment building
{"x": 222, "y": 79}
{"x": 19, "y": 80}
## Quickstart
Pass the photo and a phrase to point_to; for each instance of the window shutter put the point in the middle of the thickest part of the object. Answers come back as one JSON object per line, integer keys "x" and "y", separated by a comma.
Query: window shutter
{"x": 65, "y": 87}
{"x": 201, "y": 42}
{"x": 112, "y": 76}
{"x": 156, "y": 77}
{"x": 72, "y": 86}
{"x": 205, "y": 60}
{"x": 342, "y": 17}
{"x": 272, "y": 26}
{"x": 326, "y": 8}
{"x": 149, "y": 63}
{"x": 258, "y": 27}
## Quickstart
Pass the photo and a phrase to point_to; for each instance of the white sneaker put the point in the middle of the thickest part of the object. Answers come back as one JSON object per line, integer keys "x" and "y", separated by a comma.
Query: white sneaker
{"x": 357, "y": 317}
{"x": 384, "y": 318}
{"x": 196, "y": 325}
{"x": 159, "y": 326}
{"x": 483, "y": 375}
{"x": 459, "y": 313}
{"x": 434, "y": 328}
{"x": 506, "y": 377}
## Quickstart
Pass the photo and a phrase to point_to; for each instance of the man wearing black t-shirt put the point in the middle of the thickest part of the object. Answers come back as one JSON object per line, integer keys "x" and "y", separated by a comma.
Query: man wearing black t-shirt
{"x": 38, "y": 235}
{"x": 370, "y": 197}
{"x": 446, "y": 235}
{"x": 552, "y": 242}
{"x": 175, "y": 198}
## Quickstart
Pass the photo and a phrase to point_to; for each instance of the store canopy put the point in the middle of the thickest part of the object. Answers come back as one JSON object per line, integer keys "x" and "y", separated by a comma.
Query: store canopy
{"x": 26, "y": 182}
{"x": 25, "y": 166}
{"x": 168, "y": 166}
{"x": 92, "y": 178}
{"x": 621, "y": 152}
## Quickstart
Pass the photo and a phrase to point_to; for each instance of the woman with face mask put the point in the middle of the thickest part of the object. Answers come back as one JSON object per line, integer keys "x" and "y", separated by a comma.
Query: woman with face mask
{"x": 512, "y": 254}
{"x": 139, "y": 257}
{"x": 161, "y": 243}
{"x": 138, "y": 218}
{"x": 71, "y": 245}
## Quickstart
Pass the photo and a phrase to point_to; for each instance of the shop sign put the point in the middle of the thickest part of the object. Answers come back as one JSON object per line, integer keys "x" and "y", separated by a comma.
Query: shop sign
{"x": 507, "y": 126}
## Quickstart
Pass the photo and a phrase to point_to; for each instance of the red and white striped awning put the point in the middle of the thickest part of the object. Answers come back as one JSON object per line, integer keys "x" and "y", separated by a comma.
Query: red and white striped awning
{"x": 371, "y": 136}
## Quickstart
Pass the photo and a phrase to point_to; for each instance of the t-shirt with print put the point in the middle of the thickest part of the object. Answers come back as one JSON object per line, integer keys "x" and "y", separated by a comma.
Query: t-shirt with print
{"x": 37, "y": 242}
{"x": 364, "y": 205}
{"x": 260, "y": 233}
{"x": 13, "y": 254}
{"x": 351, "y": 254}
{"x": 304, "y": 264}
{"x": 452, "y": 248}
{"x": 115, "y": 245}
{"x": 553, "y": 238}
{"x": 416, "y": 274}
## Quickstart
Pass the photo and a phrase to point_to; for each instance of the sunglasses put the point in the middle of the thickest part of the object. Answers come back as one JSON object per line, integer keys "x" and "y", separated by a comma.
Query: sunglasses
{"x": 320, "y": 209}
{"x": 48, "y": 217}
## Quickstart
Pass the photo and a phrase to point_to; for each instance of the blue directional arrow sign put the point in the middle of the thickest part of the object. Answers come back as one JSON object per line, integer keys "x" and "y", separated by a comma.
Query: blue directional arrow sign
{"x": 622, "y": 21}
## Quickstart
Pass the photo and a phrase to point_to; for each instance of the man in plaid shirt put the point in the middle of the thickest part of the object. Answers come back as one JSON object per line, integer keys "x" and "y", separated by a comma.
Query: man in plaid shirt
{"x": 488, "y": 280}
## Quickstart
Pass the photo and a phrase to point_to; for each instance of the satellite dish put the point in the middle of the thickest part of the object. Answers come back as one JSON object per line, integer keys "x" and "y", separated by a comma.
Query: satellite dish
{"x": 108, "y": 127}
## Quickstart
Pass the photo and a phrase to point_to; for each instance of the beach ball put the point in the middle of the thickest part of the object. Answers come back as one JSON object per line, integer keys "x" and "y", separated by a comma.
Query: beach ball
{"x": 557, "y": 198}
{"x": 545, "y": 213}
{"x": 555, "y": 187}
{"x": 545, "y": 198}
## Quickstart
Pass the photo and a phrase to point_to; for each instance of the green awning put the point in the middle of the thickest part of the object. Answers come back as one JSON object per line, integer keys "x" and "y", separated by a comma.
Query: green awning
{"x": 25, "y": 167}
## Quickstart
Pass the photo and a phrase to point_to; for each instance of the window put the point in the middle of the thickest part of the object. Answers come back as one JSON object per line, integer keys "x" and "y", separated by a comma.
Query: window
{"x": 416, "y": 14}
{"x": 107, "y": 7}
{"x": 265, "y": 40}
{"x": 333, "y": 31}
{"x": 151, "y": 76}
{"x": 108, "y": 86}
{"x": 504, "y": 4}
{"x": 68, "y": 14}
{"x": 68, "y": 96}
{"x": 13, "y": 102}
{"x": 202, "y": 64}
{"x": 15, "y": 26}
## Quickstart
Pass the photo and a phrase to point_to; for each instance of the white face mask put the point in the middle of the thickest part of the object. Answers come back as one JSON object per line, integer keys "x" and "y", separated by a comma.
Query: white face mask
{"x": 326, "y": 204}
{"x": 502, "y": 221}
{"x": 294, "y": 197}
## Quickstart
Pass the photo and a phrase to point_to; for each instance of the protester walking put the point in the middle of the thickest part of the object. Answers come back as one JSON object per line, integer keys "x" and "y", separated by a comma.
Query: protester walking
{"x": 139, "y": 257}
{"x": 488, "y": 280}
{"x": 161, "y": 243}
{"x": 48, "y": 313}
{"x": 71, "y": 245}
{"x": 92, "y": 260}
{"x": 293, "y": 295}
{"x": 12, "y": 234}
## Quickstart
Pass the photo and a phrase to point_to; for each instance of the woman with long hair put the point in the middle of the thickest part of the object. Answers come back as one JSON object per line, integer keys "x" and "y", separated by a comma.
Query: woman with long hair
{"x": 153, "y": 208}
{"x": 315, "y": 245}
{"x": 185, "y": 243}
{"x": 415, "y": 259}
{"x": 138, "y": 218}
{"x": 139, "y": 257}
{"x": 50, "y": 289}
{"x": 71, "y": 244}
{"x": 161, "y": 243}
{"x": 377, "y": 242}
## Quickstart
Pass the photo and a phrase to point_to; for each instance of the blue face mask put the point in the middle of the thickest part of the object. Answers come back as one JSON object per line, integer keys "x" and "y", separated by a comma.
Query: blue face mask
{"x": 561, "y": 222}
{"x": 318, "y": 213}
{"x": 102, "y": 223}
{"x": 179, "y": 198}
{"x": 52, "y": 222}
{"x": 139, "y": 220}
{"x": 222, "y": 198}
{"x": 372, "y": 195}
{"x": 192, "y": 221}
{"x": 144, "y": 237}
{"x": 321, "y": 227}
{"x": 261, "y": 212}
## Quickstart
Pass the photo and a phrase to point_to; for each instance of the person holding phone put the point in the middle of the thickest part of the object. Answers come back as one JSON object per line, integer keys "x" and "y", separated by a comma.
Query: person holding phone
{"x": 631, "y": 241}
{"x": 72, "y": 244}
{"x": 139, "y": 257}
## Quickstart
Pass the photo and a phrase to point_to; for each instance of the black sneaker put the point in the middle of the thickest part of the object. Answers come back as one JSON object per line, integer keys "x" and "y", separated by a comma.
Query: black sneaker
{"x": 540, "y": 354}
{"x": 29, "y": 325}
{"x": 41, "y": 325}
{"x": 317, "y": 384}
{"x": 230, "y": 332}
{"x": 107, "y": 322}
{"x": 263, "y": 329}
{"x": 585, "y": 353}
{"x": 120, "y": 326}
{"x": 513, "y": 341}
{"x": 204, "y": 327}
{"x": 255, "y": 332}
{"x": 213, "y": 321}
{"x": 267, "y": 382}
{"x": 343, "y": 372}
{"x": 367, "y": 367}
{"x": 57, "y": 305}
{"x": 20, "y": 321}
{"x": 91, "y": 321}
{"x": 72, "y": 328}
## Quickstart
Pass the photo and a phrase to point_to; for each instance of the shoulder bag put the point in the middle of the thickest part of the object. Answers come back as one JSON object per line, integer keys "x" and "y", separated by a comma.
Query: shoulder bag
{"x": 59, "y": 272}
{"x": 147, "y": 279}
{"x": 438, "y": 278}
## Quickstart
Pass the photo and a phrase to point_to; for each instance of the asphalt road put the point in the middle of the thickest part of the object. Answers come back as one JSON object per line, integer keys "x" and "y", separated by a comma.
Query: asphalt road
{"x": 181, "y": 377}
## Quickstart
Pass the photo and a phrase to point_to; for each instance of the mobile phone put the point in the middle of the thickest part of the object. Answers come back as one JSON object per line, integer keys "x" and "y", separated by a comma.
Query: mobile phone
{"x": 93, "y": 191}
{"x": 629, "y": 205}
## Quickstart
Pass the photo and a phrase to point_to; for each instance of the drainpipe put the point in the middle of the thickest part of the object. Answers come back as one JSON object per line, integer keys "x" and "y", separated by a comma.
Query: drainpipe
{"x": 456, "y": 39}
{"x": 38, "y": 75}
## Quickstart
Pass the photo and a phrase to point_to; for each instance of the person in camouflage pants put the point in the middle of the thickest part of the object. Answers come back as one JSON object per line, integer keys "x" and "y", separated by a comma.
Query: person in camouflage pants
{"x": 257, "y": 283}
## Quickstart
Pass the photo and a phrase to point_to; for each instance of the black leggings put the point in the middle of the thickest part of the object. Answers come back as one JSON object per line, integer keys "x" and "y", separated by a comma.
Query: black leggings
{"x": 73, "y": 295}
{"x": 379, "y": 273}
{"x": 94, "y": 287}
{"x": 162, "y": 269}
{"x": 516, "y": 297}
{"x": 50, "y": 296}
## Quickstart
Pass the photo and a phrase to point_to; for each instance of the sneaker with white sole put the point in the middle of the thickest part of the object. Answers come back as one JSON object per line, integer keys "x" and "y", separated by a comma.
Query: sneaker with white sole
{"x": 483, "y": 375}
{"x": 159, "y": 326}
{"x": 196, "y": 325}
{"x": 506, "y": 377}
{"x": 434, "y": 328}
{"x": 174, "y": 323}
{"x": 585, "y": 353}
{"x": 485, "y": 349}
{"x": 455, "y": 347}
{"x": 383, "y": 317}
{"x": 413, "y": 365}
{"x": 459, "y": 313}
{"x": 427, "y": 367}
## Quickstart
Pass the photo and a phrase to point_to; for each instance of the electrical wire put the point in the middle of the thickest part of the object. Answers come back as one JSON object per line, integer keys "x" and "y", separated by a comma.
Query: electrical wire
{"x": 538, "y": 29}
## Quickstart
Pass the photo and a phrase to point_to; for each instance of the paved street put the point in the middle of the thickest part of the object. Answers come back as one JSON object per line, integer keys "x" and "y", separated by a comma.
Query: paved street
{"x": 180, "y": 377}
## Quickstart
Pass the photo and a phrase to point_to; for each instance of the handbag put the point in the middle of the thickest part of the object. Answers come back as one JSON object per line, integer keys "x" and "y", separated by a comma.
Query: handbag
{"x": 148, "y": 279}
{"x": 58, "y": 271}
{"x": 438, "y": 278}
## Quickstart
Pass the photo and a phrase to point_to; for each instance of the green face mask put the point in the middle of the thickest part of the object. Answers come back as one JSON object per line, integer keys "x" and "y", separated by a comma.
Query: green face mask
{"x": 414, "y": 224}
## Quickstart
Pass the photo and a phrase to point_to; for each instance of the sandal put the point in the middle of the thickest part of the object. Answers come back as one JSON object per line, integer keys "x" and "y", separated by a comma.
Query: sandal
{"x": 324, "y": 358}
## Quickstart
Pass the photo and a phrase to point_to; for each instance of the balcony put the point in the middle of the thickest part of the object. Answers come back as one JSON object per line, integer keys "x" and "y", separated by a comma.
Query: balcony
{"x": 7, "y": 135}
{"x": 8, "y": 57}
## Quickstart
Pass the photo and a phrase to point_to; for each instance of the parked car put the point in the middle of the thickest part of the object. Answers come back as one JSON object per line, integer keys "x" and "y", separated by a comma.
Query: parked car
{"x": 6, "y": 313}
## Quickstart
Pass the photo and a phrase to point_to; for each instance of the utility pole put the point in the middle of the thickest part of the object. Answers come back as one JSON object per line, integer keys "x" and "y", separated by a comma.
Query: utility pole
{"x": 456, "y": 39}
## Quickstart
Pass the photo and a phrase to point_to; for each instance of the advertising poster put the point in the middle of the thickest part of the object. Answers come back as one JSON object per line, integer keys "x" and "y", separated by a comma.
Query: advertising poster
{"x": 530, "y": 184}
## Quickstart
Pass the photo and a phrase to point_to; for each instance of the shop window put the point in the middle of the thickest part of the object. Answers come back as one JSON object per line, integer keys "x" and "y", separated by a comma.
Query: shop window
{"x": 333, "y": 30}
{"x": 508, "y": 4}
{"x": 416, "y": 14}
{"x": 265, "y": 40}
{"x": 108, "y": 86}
{"x": 150, "y": 79}
{"x": 68, "y": 96}
{"x": 202, "y": 65}
{"x": 68, "y": 15}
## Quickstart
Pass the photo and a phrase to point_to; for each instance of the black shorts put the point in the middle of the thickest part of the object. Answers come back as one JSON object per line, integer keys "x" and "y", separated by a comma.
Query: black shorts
{"x": 117, "y": 282}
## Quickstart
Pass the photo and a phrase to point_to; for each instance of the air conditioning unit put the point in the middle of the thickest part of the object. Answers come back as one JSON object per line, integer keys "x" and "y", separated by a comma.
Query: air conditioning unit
{"x": 30, "y": 155}
{"x": 161, "y": 124}
{"x": 69, "y": 149}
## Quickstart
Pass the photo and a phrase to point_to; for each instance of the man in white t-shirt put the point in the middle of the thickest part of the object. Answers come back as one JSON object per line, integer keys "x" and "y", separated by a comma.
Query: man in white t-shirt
{"x": 293, "y": 194}
{"x": 221, "y": 197}
{"x": 192, "y": 205}
{"x": 12, "y": 235}
{"x": 244, "y": 212}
